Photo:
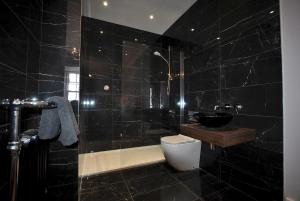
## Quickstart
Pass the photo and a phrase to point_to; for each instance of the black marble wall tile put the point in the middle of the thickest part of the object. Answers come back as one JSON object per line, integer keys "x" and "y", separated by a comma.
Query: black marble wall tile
{"x": 60, "y": 34}
{"x": 203, "y": 100}
{"x": 234, "y": 56}
{"x": 205, "y": 80}
{"x": 32, "y": 64}
{"x": 263, "y": 69}
{"x": 54, "y": 27}
{"x": 203, "y": 59}
{"x": 19, "y": 56}
{"x": 71, "y": 8}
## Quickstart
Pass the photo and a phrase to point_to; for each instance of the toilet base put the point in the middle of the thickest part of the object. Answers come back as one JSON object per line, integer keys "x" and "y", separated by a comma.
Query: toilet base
{"x": 183, "y": 157}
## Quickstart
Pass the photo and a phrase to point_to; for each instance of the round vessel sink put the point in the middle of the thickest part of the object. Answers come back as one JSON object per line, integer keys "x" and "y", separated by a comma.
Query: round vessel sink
{"x": 213, "y": 120}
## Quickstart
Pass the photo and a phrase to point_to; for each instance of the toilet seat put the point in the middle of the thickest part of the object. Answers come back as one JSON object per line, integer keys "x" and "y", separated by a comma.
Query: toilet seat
{"x": 177, "y": 139}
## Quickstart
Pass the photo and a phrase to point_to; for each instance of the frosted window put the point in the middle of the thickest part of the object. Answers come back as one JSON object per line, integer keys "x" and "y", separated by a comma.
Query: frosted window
{"x": 72, "y": 96}
{"x": 72, "y": 87}
{"x": 72, "y": 77}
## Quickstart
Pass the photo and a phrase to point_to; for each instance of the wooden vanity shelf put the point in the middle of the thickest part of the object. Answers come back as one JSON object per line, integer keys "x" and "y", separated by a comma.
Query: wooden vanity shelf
{"x": 224, "y": 138}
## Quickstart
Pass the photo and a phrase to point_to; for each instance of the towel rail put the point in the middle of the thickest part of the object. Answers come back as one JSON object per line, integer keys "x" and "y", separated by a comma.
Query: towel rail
{"x": 27, "y": 103}
{"x": 14, "y": 144}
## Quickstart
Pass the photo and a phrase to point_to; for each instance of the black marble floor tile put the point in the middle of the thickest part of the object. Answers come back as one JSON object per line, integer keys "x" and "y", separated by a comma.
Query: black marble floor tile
{"x": 229, "y": 194}
{"x": 170, "y": 193}
{"x": 201, "y": 183}
{"x": 109, "y": 192}
{"x": 98, "y": 181}
{"x": 149, "y": 183}
{"x": 65, "y": 192}
{"x": 158, "y": 182}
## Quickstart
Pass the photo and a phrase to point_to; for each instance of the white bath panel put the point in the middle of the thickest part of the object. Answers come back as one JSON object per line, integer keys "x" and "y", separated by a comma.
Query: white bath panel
{"x": 106, "y": 161}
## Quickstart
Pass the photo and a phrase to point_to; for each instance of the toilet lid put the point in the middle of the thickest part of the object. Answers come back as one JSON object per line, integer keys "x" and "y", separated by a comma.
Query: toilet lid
{"x": 176, "y": 139}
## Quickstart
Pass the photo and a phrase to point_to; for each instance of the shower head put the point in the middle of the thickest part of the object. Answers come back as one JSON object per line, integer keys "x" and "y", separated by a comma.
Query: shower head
{"x": 156, "y": 53}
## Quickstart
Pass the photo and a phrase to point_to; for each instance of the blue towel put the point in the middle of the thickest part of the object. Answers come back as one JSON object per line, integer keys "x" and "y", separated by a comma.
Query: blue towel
{"x": 59, "y": 121}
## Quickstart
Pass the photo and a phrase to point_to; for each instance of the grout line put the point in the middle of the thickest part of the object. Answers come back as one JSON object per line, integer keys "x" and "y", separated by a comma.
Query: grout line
{"x": 244, "y": 193}
{"x": 40, "y": 50}
{"x": 237, "y": 87}
{"x": 20, "y": 21}
{"x": 127, "y": 187}
{"x": 184, "y": 185}
{"x": 155, "y": 189}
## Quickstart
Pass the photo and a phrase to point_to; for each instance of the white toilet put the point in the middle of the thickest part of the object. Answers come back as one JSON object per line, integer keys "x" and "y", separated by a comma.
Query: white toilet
{"x": 181, "y": 152}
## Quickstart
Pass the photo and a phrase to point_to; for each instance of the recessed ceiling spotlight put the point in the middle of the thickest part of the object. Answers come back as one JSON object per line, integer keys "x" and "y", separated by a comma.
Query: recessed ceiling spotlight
{"x": 101, "y": 32}
{"x": 106, "y": 87}
{"x": 105, "y": 3}
{"x": 136, "y": 40}
{"x": 218, "y": 38}
{"x": 90, "y": 75}
{"x": 192, "y": 29}
{"x": 151, "y": 17}
{"x": 272, "y": 11}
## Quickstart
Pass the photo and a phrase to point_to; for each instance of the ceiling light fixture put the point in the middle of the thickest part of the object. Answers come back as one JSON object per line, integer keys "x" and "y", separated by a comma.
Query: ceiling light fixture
{"x": 151, "y": 17}
{"x": 136, "y": 40}
{"x": 272, "y": 11}
{"x": 105, "y": 3}
{"x": 192, "y": 29}
{"x": 101, "y": 32}
{"x": 218, "y": 38}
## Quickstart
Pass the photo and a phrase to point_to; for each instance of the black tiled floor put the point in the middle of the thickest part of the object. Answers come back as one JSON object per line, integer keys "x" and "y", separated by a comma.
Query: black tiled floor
{"x": 158, "y": 182}
{"x": 110, "y": 192}
{"x": 228, "y": 194}
{"x": 170, "y": 193}
{"x": 148, "y": 183}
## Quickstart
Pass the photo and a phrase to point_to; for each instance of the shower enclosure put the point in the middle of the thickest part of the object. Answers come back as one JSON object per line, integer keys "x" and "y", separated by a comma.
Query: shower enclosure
{"x": 130, "y": 92}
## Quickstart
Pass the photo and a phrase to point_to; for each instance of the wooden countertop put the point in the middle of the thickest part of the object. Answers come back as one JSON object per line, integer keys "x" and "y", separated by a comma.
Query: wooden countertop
{"x": 224, "y": 138}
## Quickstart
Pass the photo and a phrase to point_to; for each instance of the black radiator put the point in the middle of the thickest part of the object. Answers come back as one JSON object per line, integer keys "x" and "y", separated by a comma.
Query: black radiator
{"x": 33, "y": 170}
{"x": 32, "y": 184}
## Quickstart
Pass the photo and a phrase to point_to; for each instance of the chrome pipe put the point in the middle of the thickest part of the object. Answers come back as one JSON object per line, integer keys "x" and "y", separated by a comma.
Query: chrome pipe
{"x": 14, "y": 147}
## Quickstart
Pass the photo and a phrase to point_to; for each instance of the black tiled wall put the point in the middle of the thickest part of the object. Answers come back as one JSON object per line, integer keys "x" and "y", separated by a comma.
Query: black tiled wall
{"x": 235, "y": 57}
{"x": 122, "y": 58}
{"x": 60, "y": 35}
{"x": 37, "y": 38}
{"x": 20, "y": 32}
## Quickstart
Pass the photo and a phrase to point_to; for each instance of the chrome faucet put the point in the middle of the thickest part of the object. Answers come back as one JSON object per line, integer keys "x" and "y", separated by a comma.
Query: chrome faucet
{"x": 236, "y": 107}
{"x": 216, "y": 107}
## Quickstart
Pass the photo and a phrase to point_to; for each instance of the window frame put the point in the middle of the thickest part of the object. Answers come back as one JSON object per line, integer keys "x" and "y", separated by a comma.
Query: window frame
{"x": 71, "y": 70}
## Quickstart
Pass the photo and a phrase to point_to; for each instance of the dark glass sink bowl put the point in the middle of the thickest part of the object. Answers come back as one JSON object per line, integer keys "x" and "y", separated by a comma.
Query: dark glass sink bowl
{"x": 213, "y": 120}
